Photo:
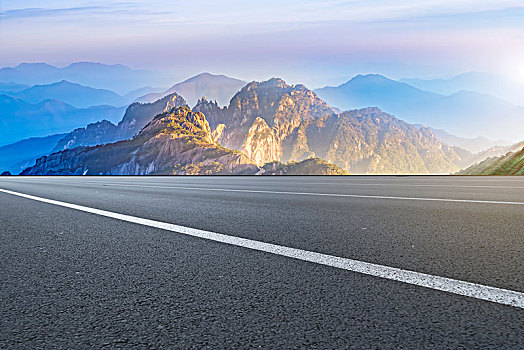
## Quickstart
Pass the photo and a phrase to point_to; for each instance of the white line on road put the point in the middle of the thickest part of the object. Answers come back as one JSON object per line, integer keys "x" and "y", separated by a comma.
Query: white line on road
{"x": 473, "y": 290}
{"x": 309, "y": 193}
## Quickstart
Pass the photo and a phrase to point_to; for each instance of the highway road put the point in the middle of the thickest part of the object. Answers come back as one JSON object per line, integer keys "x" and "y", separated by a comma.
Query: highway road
{"x": 271, "y": 262}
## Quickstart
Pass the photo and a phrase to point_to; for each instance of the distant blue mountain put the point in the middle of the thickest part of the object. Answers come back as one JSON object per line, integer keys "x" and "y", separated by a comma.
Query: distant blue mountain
{"x": 465, "y": 113}
{"x": 374, "y": 90}
{"x": 6, "y": 87}
{"x": 473, "y": 144}
{"x": 22, "y": 154}
{"x": 116, "y": 77}
{"x": 218, "y": 88}
{"x": 133, "y": 95}
{"x": 487, "y": 83}
{"x": 74, "y": 94}
{"x": 20, "y": 119}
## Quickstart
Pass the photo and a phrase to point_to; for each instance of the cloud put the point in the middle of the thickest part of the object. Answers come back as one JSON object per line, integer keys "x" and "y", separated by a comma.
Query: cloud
{"x": 44, "y": 12}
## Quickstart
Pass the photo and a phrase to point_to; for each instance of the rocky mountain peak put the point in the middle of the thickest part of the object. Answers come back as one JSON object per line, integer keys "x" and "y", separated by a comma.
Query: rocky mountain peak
{"x": 174, "y": 142}
{"x": 180, "y": 122}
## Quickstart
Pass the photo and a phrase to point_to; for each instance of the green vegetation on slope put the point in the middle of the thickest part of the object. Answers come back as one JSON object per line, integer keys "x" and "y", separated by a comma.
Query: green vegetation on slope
{"x": 311, "y": 166}
{"x": 511, "y": 163}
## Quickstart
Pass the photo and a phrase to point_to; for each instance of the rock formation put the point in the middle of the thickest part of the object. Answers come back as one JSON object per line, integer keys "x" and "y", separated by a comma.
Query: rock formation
{"x": 177, "y": 142}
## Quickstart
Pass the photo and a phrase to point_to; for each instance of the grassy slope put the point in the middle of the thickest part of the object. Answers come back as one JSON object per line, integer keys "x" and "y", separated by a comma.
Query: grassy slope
{"x": 510, "y": 164}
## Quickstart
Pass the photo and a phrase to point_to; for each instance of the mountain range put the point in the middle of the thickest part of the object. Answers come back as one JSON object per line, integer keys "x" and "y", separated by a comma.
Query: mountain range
{"x": 273, "y": 121}
{"x": 177, "y": 142}
{"x": 23, "y": 154}
{"x": 464, "y": 113}
{"x": 267, "y": 122}
{"x": 471, "y": 144}
{"x": 74, "y": 94}
{"x": 136, "y": 116}
{"x": 116, "y": 77}
{"x": 486, "y": 83}
{"x": 218, "y": 88}
{"x": 278, "y": 127}
{"x": 20, "y": 119}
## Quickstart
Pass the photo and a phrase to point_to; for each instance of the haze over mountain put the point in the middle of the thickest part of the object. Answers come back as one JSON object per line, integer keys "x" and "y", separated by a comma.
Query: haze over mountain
{"x": 214, "y": 87}
{"x": 473, "y": 145}
{"x": 512, "y": 163}
{"x": 116, "y": 77}
{"x": 20, "y": 120}
{"x": 22, "y": 154}
{"x": 466, "y": 113}
{"x": 487, "y": 83}
{"x": 134, "y": 95}
{"x": 71, "y": 93}
{"x": 6, "y": 87}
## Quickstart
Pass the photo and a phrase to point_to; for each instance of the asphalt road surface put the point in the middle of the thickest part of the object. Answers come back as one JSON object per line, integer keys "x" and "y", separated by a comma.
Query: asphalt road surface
{"x": 90, "y": 277}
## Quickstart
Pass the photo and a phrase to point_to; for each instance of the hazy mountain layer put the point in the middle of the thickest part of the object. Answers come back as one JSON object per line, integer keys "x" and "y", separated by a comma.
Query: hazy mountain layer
{"x": 218, "y": 88}
{"x": 175, "y": 142}
{"x": 6, "y": 87}
{"x": 511, "y": 163}
{"x": 22, "y": 154}
{"x": 465, "y": 113}
{"x": 116, "y": 77}
{"x": 20, "y": 119}
{"x": 74, "y": 94}
{"x": 486, "y": 83}
{"x": 473, "y": 145}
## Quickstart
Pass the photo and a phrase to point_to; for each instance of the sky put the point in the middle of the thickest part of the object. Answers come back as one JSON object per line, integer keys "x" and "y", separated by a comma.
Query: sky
{"x": 303, "y": 41}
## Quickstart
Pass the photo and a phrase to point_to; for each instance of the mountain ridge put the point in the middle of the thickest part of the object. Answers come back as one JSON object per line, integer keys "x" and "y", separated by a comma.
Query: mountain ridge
{"x": 21, "y": 119}
{"x": 116, "y": 77}
{"x": 174, "y": 142}
{"x": 464, "y": 113}
{"x": 512, "y": 163}
{"x": 212, "y": 86}
{"x": 77, "y": 95}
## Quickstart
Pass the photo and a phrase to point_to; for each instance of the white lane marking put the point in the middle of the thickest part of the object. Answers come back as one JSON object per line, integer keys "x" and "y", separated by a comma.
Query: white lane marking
{"x": 468, "y": 289}
{"x": 308, "y": 193}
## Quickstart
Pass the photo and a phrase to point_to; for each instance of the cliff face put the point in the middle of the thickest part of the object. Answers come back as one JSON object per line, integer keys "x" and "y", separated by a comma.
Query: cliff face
{"x": 262, "y": 116}
{"x": 175, "y": 142}
{"x": 371, "y": 141}
{"x": 135, "y": 118}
